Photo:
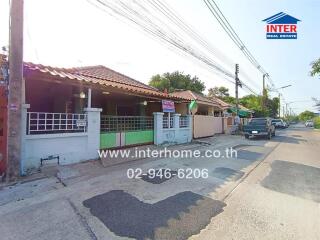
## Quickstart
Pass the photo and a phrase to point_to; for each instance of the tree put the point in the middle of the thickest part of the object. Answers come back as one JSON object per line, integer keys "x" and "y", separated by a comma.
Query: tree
{"x": 272, "y": 106}
{"x": 317, "y": 102}
{"x": 315, "y": 68}
{"x": 218, "y": 92}
{"x": 254, "y": 103}
{"x": 177, "y": 81}
{"x": 306, "y": 115}
{"x": 222, "y": 93}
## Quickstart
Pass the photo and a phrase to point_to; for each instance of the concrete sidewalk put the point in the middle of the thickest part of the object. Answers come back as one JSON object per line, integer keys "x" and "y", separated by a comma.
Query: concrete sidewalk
{"x": 83, "y": 189}
{"x": 56, "y": 177}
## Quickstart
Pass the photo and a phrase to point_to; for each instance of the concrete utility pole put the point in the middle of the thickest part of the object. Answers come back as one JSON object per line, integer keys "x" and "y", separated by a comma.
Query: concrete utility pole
{"x": 279, "y": 106}
{"x": 264, "y": 91}
{"x": 238, "y": 83}
{"x": 15, "y": 89}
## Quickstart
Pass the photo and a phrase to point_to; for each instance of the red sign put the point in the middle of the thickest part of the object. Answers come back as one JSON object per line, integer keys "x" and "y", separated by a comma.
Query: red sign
{"x": 168, "y": 106}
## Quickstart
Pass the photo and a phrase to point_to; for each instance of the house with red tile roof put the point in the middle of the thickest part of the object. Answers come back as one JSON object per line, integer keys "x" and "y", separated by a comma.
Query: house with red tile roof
{"x": 53, "y": 89}
{"x": 204, "y": 105}
{"x": 207, "y": 113}
{"x": 68, "y": 114}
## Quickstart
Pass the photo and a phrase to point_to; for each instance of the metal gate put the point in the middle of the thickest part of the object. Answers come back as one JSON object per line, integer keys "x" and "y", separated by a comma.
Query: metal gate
{"x": 3, "y": 130}
{"x": 120, "y": 131}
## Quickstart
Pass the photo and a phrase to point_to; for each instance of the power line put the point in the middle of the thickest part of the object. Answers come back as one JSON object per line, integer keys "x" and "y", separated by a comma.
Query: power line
{"x": 219, "y": 16}
{"x": 163, "y": 7}
{"x": 139, "y": 15}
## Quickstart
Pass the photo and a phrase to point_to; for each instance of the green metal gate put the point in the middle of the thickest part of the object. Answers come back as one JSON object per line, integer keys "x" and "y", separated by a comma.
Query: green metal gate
{"x": 120, "y": 131}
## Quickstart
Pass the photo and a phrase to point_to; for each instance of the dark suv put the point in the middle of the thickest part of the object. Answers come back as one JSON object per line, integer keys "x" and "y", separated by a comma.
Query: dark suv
{"x": 259, "y": 127}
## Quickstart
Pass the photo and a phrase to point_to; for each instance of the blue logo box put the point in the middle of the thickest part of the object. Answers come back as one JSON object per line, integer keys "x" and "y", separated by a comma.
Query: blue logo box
{"x": 281, "y": 36}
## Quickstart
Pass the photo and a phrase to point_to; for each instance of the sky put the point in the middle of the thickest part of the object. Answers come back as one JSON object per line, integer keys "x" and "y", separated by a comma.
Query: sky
{"x": 69, "y": 33}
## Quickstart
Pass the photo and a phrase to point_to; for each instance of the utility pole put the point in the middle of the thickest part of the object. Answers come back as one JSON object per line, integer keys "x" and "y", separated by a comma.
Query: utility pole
{"x": 238, "y": 83}
{"x": 264, "y": 91}
{"x": 279, "y": 105}
{"x": 15, "y": 89}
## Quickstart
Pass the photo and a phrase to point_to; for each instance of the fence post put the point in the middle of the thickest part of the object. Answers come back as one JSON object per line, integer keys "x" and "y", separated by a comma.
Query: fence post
{"x": 93, "y": 131}
{"x": 158, "y": 127}
{"x": 190, "y": 126}
{"x": 176, "y": 117}
{"x": 24, "y": 127}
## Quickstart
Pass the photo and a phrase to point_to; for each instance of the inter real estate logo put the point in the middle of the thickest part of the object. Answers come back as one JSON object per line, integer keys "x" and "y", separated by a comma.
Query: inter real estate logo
{"x": 281, "y": 26}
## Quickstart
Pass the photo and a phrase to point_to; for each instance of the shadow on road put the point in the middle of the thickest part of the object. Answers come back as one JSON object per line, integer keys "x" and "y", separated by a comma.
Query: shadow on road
{"x": 176, "y": 217}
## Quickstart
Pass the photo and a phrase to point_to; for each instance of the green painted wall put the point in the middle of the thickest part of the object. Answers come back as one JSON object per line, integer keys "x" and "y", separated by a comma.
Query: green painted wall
{"x": 138, "y": 137}
{"x": 107, "y": 140}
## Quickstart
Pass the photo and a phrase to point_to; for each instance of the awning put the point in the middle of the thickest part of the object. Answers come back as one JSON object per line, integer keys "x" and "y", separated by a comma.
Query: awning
{"x": 242, "y": 113}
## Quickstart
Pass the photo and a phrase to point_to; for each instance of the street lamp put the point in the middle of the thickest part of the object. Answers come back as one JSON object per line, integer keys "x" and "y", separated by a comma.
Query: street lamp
{"x": 276, "y": 89}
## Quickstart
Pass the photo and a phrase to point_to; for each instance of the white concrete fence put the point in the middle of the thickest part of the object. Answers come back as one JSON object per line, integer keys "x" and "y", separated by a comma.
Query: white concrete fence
{"x": 172, "y": 130}
{"x": 72, "y": 139}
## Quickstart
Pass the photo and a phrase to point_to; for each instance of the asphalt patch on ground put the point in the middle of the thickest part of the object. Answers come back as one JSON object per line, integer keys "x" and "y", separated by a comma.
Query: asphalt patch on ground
{"x": 227, "y": 174}
{"x": 241, "y": 146}
{"x": 249, "y": 155}
{"x": 176, "y": 217}
{"x": 295, "y": 135}
{"x": 159, "y": 176}
{"x": 287, "y": 139}
{"x": 294, "y": 179}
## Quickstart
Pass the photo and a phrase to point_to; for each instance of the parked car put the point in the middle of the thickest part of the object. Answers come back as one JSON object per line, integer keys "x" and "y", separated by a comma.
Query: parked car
{"x": 309, "y": 123}
{"x": 278, "y": 123}
{"x": 259, "y": 127}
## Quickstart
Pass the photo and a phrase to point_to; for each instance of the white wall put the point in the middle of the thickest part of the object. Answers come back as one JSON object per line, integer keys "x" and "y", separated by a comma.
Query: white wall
{"x": 175, "y": 135}
{"x": 70, "y": 147}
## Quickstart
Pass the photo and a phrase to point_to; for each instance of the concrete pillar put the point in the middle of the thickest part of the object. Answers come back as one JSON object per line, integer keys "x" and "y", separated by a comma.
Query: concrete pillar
{"x": 176, "y": 117}
{"x": 24, "y": 126}
{"x": 190, "y": 125}
{"x": 93, "y": 130}
{"x": 89, "y": 98}
{"x": 158, "y": 127}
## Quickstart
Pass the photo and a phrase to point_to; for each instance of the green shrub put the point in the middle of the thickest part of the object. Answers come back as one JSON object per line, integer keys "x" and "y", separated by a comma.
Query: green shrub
{"x": 317, "y": 122}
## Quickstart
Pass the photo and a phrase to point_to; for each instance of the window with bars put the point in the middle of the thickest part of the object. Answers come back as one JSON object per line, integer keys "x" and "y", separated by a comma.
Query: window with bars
{"x": 167, "y": 122}
{"x": 183, "y": 122}
{"x": 126, "y": 123}
{"x": 46, "y": 123}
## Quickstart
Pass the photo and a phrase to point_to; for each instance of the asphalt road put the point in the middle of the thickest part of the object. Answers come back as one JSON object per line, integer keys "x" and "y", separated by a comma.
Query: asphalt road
{"x": 280, "y": 198}
{"x": 270, "y": 190}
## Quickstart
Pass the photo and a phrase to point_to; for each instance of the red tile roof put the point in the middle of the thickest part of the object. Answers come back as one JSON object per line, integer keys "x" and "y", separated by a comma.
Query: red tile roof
{"x": 223, "y": 104}
{"x": 190, "y": 95}
{"x": 99, "y": 75}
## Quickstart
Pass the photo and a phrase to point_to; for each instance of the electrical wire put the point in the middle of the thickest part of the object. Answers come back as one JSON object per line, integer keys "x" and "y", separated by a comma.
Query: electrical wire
{"x": 139, "y": 15}
{"x": 222, "y": 20}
